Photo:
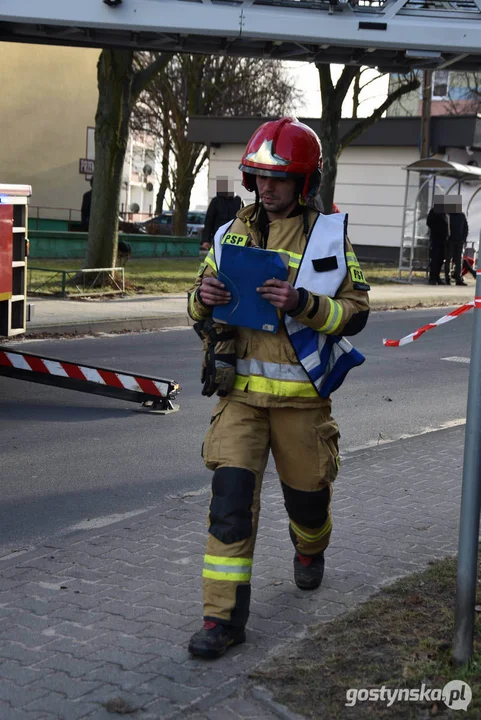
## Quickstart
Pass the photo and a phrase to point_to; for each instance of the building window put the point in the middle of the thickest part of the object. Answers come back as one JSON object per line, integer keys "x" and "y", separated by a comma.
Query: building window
{"x": 440, "y": 85}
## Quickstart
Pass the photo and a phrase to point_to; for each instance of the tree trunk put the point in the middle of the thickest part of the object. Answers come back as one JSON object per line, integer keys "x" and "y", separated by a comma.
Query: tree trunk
{"x": 332, "y": 98}
{"x": 115, "y": 75}
{"x": 332, "y": 146}
{"x": 356, "y": 92}
{"x": 164, "y": 181}
{"x": 330, "y": 149}
{"x": 185, "y": 183}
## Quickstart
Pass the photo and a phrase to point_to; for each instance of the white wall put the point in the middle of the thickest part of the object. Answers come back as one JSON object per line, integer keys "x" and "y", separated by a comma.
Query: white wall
{"x": 370, "y": 187}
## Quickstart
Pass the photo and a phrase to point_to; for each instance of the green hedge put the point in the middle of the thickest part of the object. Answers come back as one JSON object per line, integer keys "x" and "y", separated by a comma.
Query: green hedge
{"x": 50, "y": 244}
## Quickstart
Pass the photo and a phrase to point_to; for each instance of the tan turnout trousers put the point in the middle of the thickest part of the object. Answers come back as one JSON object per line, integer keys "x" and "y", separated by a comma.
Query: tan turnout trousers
{"x": 304, "y": 444}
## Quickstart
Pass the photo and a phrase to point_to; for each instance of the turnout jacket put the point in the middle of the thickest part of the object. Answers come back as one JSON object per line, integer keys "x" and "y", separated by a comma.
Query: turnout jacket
{"x": 268, "y": 373}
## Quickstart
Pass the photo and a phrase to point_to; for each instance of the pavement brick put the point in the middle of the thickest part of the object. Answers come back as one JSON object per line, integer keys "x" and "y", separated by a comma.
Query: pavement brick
{"x": 121, "y": 626}
{"x": 76, "y": 614}
{"x": 75, "y": 667}
{"x": 72, "y": 688}
{"x": 14, "y": 671}
{"x": 117, "y": 622}
{"x": 19, "y": 696}
{"x": 59, "y": 706}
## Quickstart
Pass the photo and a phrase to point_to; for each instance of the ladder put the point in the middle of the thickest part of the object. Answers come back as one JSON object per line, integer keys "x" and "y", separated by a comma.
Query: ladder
{"x": 392, "y": 35}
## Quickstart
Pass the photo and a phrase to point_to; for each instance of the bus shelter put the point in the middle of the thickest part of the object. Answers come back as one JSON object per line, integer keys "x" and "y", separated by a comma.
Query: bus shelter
{"x": 425, "y": 178}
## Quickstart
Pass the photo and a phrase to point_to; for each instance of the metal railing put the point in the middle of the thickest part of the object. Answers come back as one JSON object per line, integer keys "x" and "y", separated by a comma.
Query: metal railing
{"x": 73, "y": 282}
{"x": 43, "y": 212}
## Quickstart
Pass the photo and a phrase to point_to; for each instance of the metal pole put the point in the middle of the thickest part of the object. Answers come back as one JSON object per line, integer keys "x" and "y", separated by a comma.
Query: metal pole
{"x": 426, "y": 114}
{"x": 403, "y": 229}
{"x": 470, "y": 500}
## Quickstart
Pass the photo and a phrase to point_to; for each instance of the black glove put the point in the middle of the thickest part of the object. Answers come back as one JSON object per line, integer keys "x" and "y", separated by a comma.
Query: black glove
{"x": 218, "y": 367}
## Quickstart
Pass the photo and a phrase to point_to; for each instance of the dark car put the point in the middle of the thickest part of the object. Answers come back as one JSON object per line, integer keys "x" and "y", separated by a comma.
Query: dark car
{"x": 163, "y": 224}
{"x": 126, "y": 226}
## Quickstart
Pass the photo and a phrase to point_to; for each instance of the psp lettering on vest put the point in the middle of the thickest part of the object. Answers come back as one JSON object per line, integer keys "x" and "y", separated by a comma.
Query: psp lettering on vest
{"x": 232, "y": 239}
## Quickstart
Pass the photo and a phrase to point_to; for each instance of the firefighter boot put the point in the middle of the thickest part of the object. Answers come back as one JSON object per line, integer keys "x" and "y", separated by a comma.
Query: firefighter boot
{"x": 214, "y": 639}
{"x": 308, "y": 571}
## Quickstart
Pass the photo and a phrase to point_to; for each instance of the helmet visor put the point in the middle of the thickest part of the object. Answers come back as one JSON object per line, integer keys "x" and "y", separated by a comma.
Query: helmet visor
{"x": 268, "y": 173}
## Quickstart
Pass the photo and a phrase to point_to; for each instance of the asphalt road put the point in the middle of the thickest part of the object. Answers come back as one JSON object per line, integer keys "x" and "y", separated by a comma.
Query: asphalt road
{"x": 70, "y": 461}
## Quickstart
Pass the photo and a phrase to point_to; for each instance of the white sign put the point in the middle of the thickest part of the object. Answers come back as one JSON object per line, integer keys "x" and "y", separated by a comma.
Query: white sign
{"x": 86, "y": 166}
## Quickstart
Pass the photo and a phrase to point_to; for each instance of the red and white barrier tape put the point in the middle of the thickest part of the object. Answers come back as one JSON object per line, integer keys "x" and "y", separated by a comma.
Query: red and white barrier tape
{"x": 430, "y": 326}
{"x": 80, "y": 372}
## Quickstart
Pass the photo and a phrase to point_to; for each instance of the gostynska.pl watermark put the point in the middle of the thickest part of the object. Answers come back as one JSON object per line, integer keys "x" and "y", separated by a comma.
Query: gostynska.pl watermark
{"x": 456, "y": 694}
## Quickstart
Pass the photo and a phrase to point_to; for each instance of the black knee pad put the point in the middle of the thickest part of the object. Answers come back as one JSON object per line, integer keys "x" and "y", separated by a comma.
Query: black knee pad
{"x": 230, "y": 507}
{"x": 310, "y": 509}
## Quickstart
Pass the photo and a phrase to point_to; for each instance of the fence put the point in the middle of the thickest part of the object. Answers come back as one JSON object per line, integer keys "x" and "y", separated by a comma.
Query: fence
{"x": 54, "y": 244}
{"x": 78, "y": 282}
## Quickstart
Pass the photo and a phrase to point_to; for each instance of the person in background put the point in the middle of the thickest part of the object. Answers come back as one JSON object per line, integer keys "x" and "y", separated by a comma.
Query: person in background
{"x": 86, "y": 207}
{"x": 437, "y": 222}
{"x": 458, "y": 234}
{"x": 222, "y": 208}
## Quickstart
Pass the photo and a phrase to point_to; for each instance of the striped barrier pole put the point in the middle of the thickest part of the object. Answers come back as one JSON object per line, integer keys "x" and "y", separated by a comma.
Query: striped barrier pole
{"x": 152, "y": 393}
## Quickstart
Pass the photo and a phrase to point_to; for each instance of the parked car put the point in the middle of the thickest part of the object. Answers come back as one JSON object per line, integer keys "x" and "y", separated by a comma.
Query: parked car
{"x": 162, "y": 224}
{"x": 126, "y": 226}
{"x": 195, "y": 222}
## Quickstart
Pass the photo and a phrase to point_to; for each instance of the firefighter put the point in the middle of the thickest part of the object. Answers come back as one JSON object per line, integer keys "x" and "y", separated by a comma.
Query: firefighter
{"x": 274, "y": 388}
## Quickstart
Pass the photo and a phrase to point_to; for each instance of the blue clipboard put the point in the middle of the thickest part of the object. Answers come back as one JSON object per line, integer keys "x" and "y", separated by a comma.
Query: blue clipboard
{"x": 243, "y": 270}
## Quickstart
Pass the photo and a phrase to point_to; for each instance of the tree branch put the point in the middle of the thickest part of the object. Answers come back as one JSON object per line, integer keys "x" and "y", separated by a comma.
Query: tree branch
{"x": 143, "y": 77}
{"x": 363, "y": 123}
{"x": 348, "y": 74}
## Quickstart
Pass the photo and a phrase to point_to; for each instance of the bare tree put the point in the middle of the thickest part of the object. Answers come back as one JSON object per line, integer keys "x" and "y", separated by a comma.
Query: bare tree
{"x": 358, "y": 88}
{"x": 120, "y": 83}
{"x": 333, "y": 96}
{"x": 205, "y": 85}
{"x": 464, "y": 94}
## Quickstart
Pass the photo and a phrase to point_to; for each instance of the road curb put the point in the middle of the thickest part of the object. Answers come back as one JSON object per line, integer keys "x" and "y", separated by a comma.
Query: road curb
{"x": 158, "y": 322}
{"x": 105, "y": 326}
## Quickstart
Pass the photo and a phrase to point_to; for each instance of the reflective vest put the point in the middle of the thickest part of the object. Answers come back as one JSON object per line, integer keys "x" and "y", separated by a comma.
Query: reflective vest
{"x": 325, "y": 358}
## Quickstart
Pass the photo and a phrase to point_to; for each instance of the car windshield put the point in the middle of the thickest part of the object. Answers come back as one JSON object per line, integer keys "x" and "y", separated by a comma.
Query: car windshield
{"x": 196, "y": 218}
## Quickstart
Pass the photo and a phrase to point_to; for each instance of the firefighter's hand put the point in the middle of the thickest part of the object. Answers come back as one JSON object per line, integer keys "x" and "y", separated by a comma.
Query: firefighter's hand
{"x": 280, "y": 293}
{"x": 212, "y": 292}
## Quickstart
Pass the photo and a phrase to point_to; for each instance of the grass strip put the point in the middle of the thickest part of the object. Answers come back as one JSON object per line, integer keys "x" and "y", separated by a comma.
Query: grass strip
{"x": 154, "y": 276}
{"x": 401, "y": 638}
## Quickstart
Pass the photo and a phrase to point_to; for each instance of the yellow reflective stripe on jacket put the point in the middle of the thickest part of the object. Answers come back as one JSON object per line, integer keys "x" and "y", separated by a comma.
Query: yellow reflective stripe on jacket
{"x": 294, "y": 258}
{"x": 210, "y": 260}
{"x": 224, "y": 568}
{"x": 326, "y": 528}
{"x": 282, "y": 388}
{"x": 192, "y": 311}
{"x": 334, "y": 318}
{"x": 273, "y": 371}
{"x": 354, "y": 268}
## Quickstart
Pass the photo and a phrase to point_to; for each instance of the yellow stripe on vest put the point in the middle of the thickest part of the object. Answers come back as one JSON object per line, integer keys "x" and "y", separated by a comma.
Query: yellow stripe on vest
{"x": 210, "y": 260}
{"x": 282, "y": 388}
{"x": 334, "y": 318}
{"x": 194, "y": 315}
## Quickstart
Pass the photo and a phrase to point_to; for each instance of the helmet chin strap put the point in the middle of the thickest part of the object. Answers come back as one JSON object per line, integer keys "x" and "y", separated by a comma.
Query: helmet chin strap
{"x": 255, "y": 212}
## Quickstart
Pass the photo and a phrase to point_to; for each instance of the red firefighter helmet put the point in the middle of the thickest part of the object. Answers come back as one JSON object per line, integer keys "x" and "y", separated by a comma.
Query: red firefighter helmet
{"x": 283, "y": 148}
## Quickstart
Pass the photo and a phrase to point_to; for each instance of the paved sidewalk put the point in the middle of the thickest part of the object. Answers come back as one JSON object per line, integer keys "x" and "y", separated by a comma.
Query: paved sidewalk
{"x": 146, "y": 312}
{"x": 101, "y": 619}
